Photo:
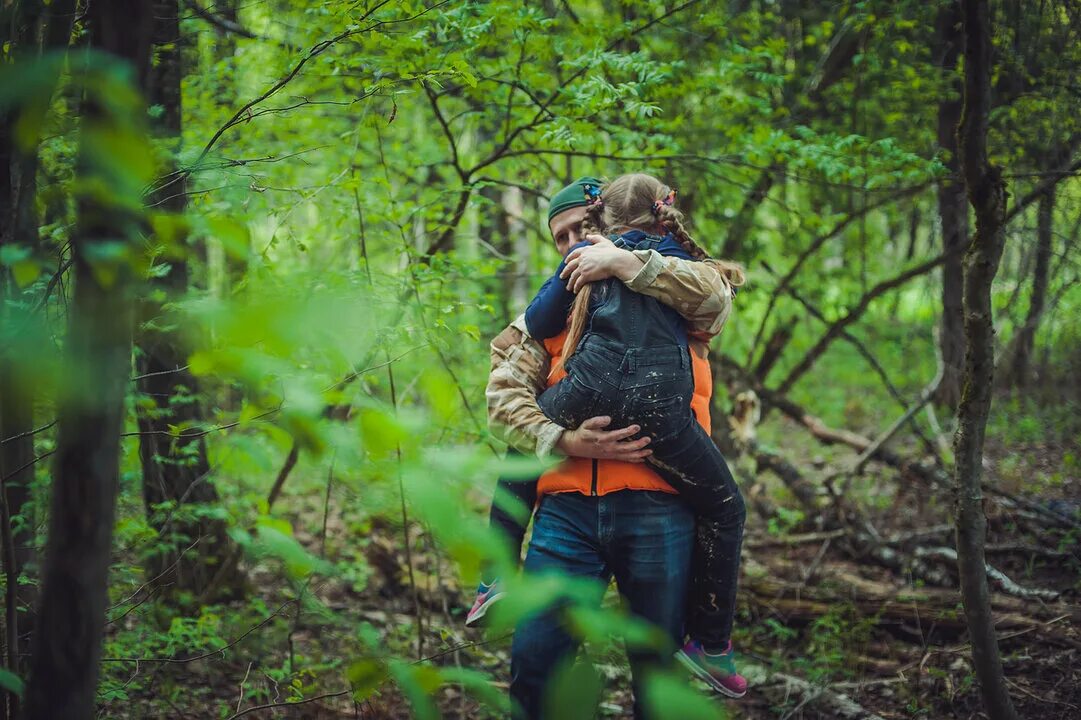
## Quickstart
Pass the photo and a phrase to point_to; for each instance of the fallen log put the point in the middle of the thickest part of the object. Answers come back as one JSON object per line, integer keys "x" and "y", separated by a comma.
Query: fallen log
{"x": 993, "y": 574}
{"x": 763, "y": 589}
{"x": 780, "y": 688}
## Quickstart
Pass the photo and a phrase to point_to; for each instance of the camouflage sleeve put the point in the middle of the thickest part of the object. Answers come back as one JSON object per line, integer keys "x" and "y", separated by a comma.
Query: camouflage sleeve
{"x": 696, "y": 290}
{"x": 519, "y": 370}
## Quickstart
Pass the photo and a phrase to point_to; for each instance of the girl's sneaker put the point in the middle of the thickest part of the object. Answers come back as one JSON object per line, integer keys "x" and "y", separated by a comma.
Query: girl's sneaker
{"x": 487, "y": 595}
{"x": 717, "y": 671}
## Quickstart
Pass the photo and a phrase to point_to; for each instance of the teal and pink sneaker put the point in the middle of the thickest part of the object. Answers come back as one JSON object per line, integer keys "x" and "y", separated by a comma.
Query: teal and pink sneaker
{"x": 487, "y": 595}
{"x": 717, "y": 671}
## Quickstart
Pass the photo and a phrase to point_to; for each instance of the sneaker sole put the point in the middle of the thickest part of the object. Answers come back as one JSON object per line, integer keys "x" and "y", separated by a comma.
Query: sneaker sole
{"x": 705, "y": 677}
{"x": 474, "y": 619}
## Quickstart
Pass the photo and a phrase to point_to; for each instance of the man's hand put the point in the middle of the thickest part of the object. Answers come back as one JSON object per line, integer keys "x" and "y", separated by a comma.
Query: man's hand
{"x": 591, "y": 440}
{"x": 600, "y": 261}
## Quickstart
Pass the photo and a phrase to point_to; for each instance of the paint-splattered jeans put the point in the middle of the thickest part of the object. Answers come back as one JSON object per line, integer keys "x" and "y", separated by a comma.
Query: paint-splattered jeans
{"x": 652, "y": 387}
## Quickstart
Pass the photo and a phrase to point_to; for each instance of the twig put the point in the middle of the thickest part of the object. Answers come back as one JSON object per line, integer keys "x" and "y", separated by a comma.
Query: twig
{"x": 183, "y": 434}
{"x": 160, "y": 372}
{"x": 43, "y": 428}
{"x": 924, "y": 398}
{"x": 153, "y": 580}
{"x": 25, "y": 465}
{"x": 270, "y": 706}
{"x": 857, "y": 311}
{"x": 810, "y": 250}
{"x": 240, "y": 698}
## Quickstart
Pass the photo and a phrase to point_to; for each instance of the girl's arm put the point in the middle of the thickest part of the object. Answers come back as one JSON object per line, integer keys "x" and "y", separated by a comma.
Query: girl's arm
{"x": 546, "y": 316}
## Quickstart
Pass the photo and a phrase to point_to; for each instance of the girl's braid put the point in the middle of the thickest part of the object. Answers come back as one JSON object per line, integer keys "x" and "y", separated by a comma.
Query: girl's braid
{"x": 672, "y": 220}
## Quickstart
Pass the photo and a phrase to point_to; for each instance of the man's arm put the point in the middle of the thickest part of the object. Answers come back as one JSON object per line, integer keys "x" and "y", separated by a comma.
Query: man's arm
{"x": 519, "y": 373}
{"x": 696, "y": 290}
{"x": 519, "y": 368}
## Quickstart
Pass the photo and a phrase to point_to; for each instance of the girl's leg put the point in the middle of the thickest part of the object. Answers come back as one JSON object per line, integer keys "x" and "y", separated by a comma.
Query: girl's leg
{"x": 690, "y": 462}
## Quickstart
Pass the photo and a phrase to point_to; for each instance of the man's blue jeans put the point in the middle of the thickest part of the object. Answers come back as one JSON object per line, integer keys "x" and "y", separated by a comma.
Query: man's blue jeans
{"x": 641, "y": 538}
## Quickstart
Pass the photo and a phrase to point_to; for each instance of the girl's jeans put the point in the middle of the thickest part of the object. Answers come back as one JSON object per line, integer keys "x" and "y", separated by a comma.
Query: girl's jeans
{"x": 652, "y": 387}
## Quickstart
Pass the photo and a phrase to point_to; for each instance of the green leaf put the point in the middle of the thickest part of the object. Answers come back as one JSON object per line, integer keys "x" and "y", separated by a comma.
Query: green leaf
{"x": 382, "y": 431}
{"x": 574, "y": 692}
{"x": 419, "y": 683}
{"x": 365, "y": 677}
{"x": 12, "y": 254}
{"x": 11, "y": 682}
{"x": 25, "y": 272}
{"x": 234, "y": 237}
{"x": 667, "y": 695}
{"x": 480, "y": 685}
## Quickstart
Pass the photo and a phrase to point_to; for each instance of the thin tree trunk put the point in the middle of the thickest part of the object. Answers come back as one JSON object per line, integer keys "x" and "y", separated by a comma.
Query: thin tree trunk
{"x": 15, "y": 451}
{"x": 176, "y": 471}
{"x": 67, "y": 646}
{"x": 1022, "y": 359}
{"x": 31, "y": 27}
{"x": 952, "y": 210}
{"x": 518, "y": 243}
{"x": 987, "y": 193}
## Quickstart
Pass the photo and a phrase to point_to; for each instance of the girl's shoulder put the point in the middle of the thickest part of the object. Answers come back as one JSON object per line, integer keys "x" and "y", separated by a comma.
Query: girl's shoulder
{"x": 638, "y": 240}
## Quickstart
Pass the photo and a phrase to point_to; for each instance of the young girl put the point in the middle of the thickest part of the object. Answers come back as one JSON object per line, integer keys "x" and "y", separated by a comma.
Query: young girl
{"x": 626, "y": 356}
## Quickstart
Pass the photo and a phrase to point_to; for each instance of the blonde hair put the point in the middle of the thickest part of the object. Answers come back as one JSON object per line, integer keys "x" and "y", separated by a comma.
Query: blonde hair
{"x": 636, "y": 201}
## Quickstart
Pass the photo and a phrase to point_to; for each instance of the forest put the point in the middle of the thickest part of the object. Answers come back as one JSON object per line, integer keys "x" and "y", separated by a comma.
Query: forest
{"x": 253, "y": 254}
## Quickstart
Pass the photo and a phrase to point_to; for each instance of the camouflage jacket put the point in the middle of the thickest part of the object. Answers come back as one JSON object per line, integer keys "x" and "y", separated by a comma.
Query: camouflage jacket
{"x": 520, "y": 363}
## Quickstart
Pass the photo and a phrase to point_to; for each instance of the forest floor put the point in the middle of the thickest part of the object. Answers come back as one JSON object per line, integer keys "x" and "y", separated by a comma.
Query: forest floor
{"x": 826, "y": 627}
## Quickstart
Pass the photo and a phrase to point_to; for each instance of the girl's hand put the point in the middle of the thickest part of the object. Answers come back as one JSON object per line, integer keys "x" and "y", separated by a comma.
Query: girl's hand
{"x": 599, "y": 261}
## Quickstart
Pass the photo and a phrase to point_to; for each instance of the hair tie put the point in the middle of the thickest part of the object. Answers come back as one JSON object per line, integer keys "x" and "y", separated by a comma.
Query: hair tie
{"x": 669, "y": 200}
{"x": 593, "y": 194}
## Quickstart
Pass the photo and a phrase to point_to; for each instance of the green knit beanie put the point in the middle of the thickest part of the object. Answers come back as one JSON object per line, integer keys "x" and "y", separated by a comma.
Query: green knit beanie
{"x": 572, "y": 196}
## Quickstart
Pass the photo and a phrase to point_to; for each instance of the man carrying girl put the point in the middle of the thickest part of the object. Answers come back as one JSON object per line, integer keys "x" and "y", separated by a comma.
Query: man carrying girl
{"x": 634, "y": 356}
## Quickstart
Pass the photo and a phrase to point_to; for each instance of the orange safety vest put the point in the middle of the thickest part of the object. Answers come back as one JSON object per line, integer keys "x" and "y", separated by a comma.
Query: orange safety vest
{"x": 600, "y": 477}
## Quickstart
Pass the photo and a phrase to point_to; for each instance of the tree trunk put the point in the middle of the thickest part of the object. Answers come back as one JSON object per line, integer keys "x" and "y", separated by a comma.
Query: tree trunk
{"x": 1026, "y": 337}
{"x": 176, "y": 471}
{"x": 67, "y": 646}
{"x": 31, "y": 26}
{"x": 987, "y": 193}
{"x": 517, "y": 242}
{"x": 952, "y": 210}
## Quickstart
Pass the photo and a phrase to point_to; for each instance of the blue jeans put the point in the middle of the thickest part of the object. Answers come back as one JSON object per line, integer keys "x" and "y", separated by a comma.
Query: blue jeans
{"x": 641, "y": 538}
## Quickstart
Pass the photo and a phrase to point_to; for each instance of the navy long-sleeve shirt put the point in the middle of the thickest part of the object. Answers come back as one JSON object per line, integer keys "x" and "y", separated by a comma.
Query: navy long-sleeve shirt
{"x": 546, "y": 316}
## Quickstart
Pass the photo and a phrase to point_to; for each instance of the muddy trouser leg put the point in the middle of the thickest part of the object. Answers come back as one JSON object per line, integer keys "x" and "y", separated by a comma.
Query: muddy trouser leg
{"x": 690, "y": 462}
{"x": 512, "y": 506}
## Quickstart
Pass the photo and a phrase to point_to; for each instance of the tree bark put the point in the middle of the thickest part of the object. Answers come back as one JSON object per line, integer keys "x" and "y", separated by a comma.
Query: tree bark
{"x": 176, "y": 471}
{"x": 987, "y": 194}
{"x": 952, "y": 208}
{"x": 1026, "y": 337}
{"x": 16, "y": 408}
{"x": 33, "y": 28}
{"x": 67, "y": 646}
